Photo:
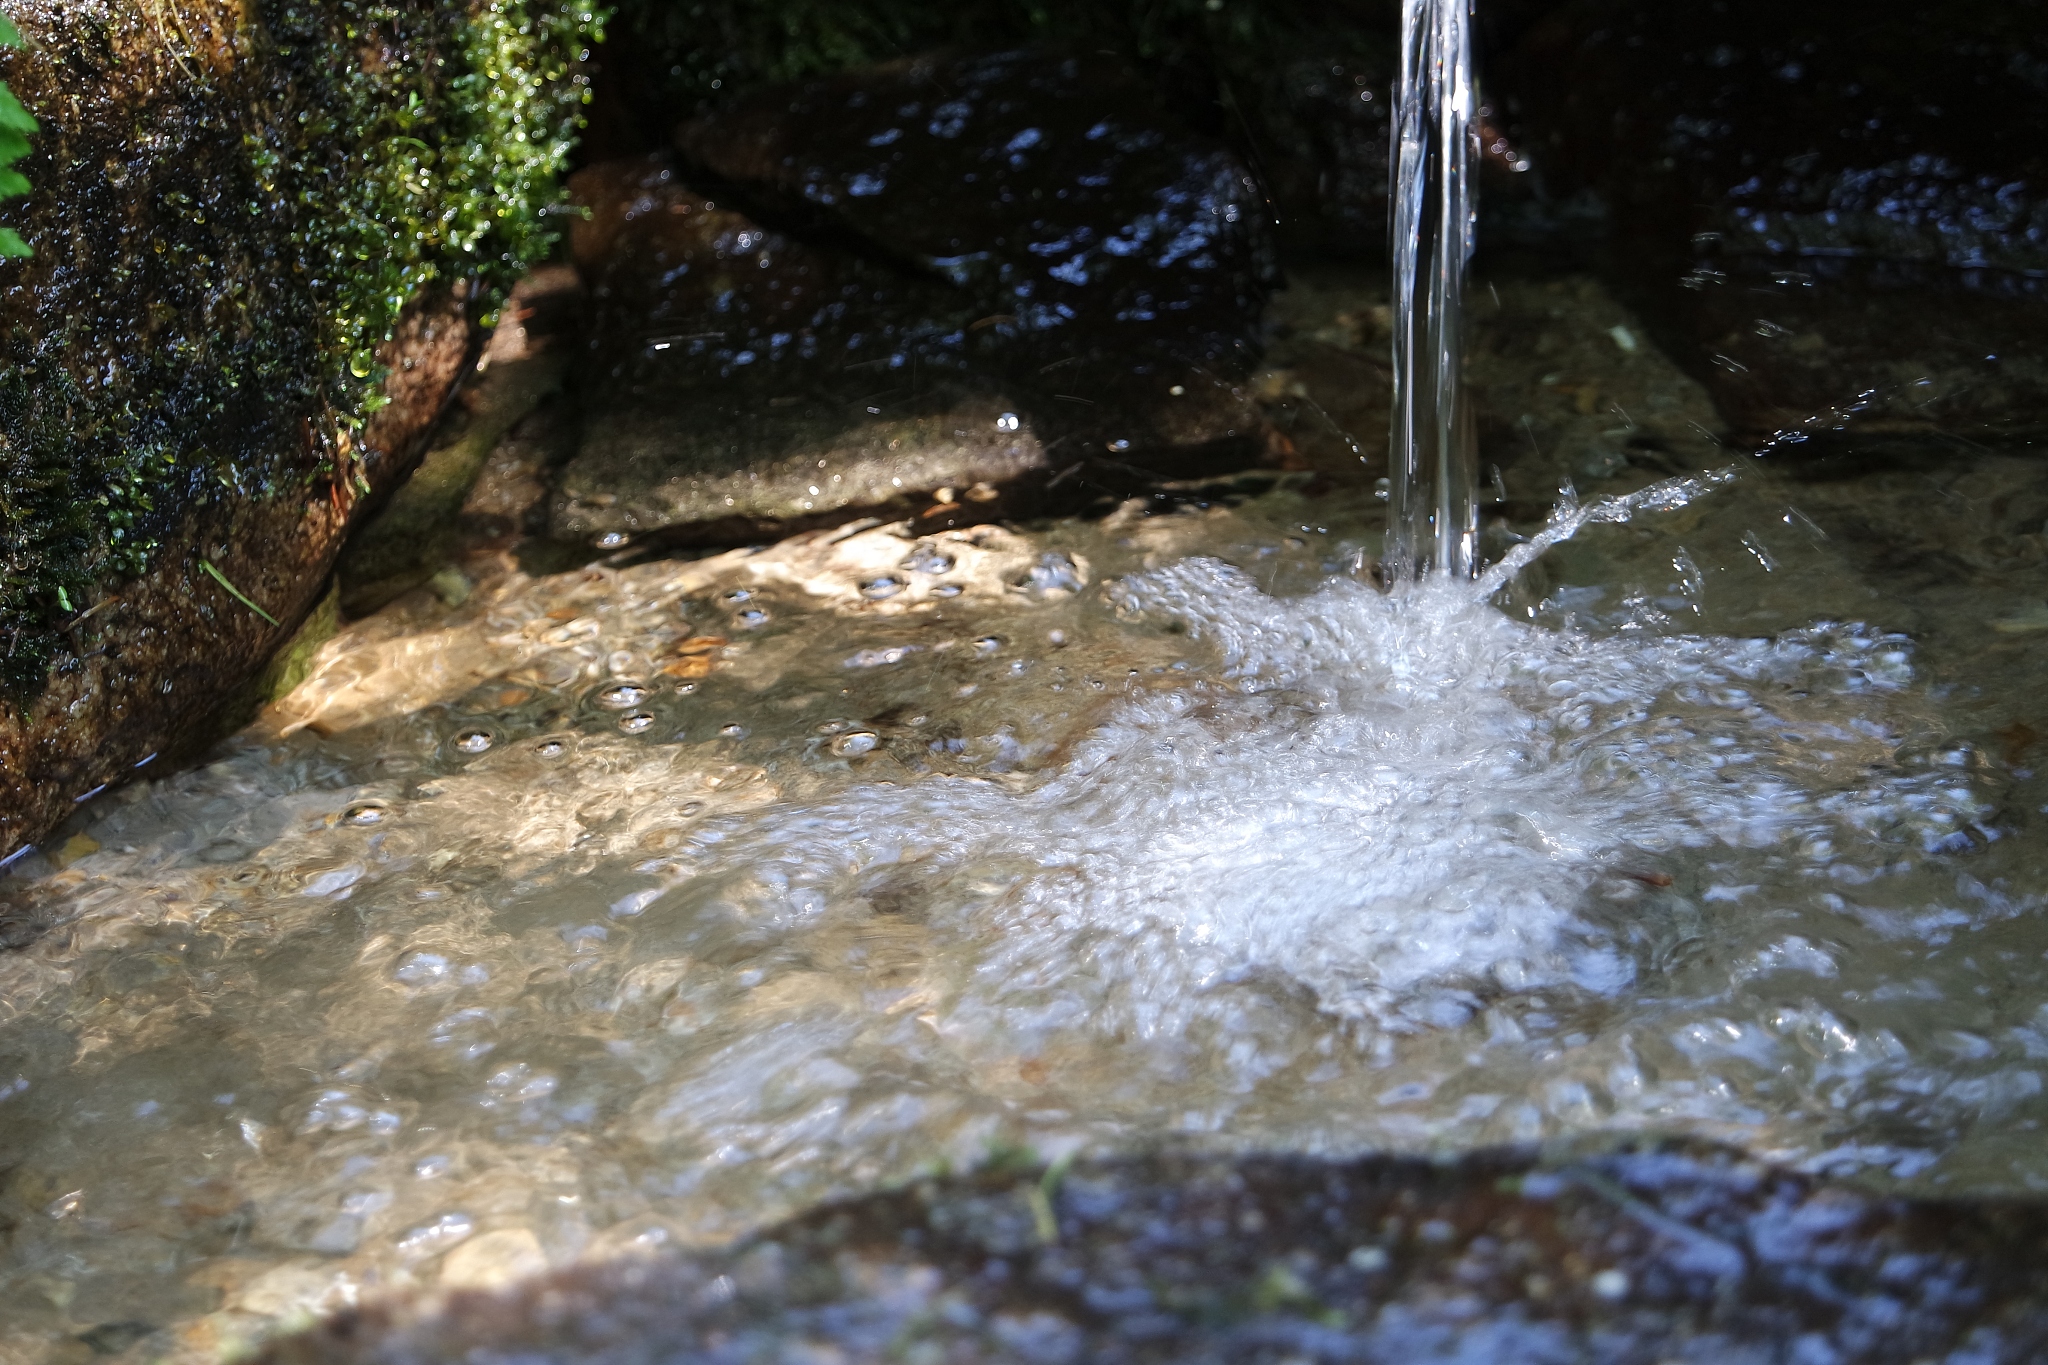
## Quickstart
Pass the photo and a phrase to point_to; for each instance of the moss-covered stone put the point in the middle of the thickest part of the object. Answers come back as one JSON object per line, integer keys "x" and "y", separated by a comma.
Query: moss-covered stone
{"x": 233, "y": 202}
{"x": 244, "y": 213}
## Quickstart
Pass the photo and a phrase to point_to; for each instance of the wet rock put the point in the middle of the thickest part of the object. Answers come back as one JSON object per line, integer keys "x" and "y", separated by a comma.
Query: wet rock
{"x": 1650, "y": 1255}
{"x": 1829, "y": 212}
{"x": 1049, "y": 188}
{"x": 232, "y": 206}
{"x": 809, "y": 459}
{"x": 1295, "y": 87}
{"x": 1038, "y": 272}
{"x": 743, "y": 378}
{"x": 417, "y": 532}
{"x": 1568, "y": 387}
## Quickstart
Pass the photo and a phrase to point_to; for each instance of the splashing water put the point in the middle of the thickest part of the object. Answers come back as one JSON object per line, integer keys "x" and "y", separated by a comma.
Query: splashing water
{"x": 1432, "y": 510}
{"x": 879, "y": 883}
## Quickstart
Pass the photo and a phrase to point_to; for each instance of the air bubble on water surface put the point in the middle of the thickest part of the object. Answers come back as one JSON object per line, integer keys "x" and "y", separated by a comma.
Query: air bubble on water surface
{"x": 855, "y": 743}
{"x": 881, "y": 589}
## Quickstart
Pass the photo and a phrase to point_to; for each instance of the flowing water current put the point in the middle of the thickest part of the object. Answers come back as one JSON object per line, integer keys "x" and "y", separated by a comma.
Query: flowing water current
{"x": 650, "y": 903}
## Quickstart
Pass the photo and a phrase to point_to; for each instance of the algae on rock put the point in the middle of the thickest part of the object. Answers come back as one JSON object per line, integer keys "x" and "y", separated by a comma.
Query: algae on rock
{"x": 261, "y": 229}
{"x": 233, "y": 203}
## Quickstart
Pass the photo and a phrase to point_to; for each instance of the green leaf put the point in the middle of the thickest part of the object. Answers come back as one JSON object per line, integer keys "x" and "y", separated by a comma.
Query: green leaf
{"x": 12, "y": 115}
{"x": 10, "y": 36}
{"x": 12, "y": 184}
{"x": 13, "y": 146}
{"x": 12, "y": 245}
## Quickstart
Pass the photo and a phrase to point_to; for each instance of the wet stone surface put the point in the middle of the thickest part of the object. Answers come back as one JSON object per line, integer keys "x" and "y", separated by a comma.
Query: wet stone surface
{"x": 1820, "y": 208}
{"x": 1051, "y": 188}
{"x": 1036, "y": 274}
{"x": 1648, "y": 1256}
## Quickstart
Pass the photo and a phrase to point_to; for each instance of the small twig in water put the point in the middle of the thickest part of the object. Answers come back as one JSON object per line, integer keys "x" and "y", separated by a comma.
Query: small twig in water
{"x": 238, "y": 594}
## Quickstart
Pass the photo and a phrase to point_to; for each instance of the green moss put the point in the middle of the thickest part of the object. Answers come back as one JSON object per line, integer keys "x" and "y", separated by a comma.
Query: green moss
{"x": 15, "y": 128}
{"x": 220, "y": 262}
{"x": 417, "y": 157}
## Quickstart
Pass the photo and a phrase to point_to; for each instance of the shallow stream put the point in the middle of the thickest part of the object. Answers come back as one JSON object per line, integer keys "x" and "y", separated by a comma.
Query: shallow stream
{"x": 650, "y": 902}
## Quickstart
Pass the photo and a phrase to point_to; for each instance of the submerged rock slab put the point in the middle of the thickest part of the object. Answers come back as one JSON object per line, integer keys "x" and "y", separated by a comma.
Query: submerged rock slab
{"x": 1650, "y": 1255}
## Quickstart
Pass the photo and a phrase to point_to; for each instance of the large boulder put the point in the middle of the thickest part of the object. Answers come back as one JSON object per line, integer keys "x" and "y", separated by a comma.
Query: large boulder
{"x": 262, "y": 231}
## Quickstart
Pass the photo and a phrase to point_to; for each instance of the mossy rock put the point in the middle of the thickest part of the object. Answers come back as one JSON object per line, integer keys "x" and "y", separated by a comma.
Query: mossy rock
{"x": 263, "y": 231}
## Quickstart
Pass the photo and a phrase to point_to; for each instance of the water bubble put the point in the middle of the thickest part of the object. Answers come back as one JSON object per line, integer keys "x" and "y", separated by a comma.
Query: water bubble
{"x": 610, "y": 540}
{"x": 738, "y": 595}
{"x": 1008, "y": 422}
{"x": 947, "y": 590}
{"x": 365, "y": 813}
{"x": 1366, "y": 1260}
{"x": 1119, "y": 446}
{"x": 834, "y": 727}
{"x": 878, "y": 589}
{"x": 733, "y": 731}
{"x": 929, "y": 559}
{"x": 751, "y": 618}
{"x": 473, "y": 741}
{"x": 431, "y": 1167}
{"x": 551, "y": 748}
{"x": 988, "y": 644}
{"x": 332, "y": 880}
{"x": 1611, "y": 1284}
{"x": 622, "y": 695}
{"x": 422, "y": 969}
{"x": 436, "y": 1236}
{"x": 855, "y": 743}
{"x": 636, "y": 722}
{"x": 1055, "y": 571}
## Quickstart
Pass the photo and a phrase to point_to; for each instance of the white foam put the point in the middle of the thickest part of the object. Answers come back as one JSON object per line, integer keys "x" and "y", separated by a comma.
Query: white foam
{"x": 1391, "y": 800}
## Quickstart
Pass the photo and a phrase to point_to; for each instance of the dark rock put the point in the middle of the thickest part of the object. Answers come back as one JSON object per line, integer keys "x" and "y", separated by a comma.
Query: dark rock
{"x": 1037, "y": 276}
{"x": 1296, "y": 88}
{"x": 1049, "y": 188}
{"x": 733, "y": 370}
{"x": 1651, "y": 1255}
{"x": 417, "y": 532}
{"x": 1821, "y": 206}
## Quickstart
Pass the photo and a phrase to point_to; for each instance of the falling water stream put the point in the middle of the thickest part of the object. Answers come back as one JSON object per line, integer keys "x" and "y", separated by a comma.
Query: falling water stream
{"x": 636, "y": 905}
{"x": 1432, "y": 511}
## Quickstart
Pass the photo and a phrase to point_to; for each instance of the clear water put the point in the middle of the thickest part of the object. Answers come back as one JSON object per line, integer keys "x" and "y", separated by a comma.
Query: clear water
{"x": 1432, "y": 509}
{"x": 651, "y": 903}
